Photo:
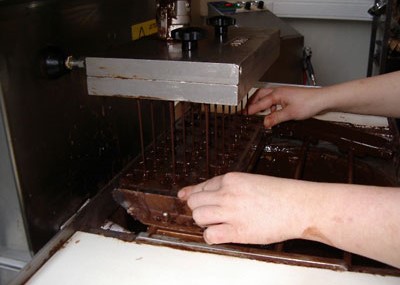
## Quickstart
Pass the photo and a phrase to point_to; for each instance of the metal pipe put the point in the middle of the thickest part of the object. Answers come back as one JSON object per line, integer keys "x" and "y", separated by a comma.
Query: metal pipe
{"x": 302, "y": 159}
{"x": 172, "y": 138}
{"x": 207, "y": 119}
{"x": 139, "y": 108}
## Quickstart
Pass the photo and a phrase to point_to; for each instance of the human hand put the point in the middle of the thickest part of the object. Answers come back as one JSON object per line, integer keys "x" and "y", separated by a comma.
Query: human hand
{"x": 285, "y": 103}
{"x": 245, "y": 208}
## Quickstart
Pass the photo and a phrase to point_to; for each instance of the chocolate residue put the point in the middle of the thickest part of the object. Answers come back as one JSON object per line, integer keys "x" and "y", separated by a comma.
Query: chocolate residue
{"x": 345, "y": 138}
{"x": 307, "y": 150}
{"x": 149, "y": 193}
{"x": 194, "y": 162}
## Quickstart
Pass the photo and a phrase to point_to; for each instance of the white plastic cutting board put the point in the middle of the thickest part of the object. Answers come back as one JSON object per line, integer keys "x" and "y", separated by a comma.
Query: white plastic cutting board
{"x": 93, "y": 259}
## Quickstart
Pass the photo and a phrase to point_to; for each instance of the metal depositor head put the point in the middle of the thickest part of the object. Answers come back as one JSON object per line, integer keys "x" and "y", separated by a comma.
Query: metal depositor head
{"x": 217, "y": 72}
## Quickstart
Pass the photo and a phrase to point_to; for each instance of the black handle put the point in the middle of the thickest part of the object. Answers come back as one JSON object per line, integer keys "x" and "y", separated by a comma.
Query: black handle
{"x": 378, "y": 9}
{"x": 221, "y": 24}
{"x": 189, "y": 37}
{"x": 52, "y": 62}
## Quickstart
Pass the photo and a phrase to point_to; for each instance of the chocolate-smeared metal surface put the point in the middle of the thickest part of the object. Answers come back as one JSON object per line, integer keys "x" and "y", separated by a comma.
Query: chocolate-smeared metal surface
{"x": 345, "y": 138}
{"x": 310, "y": 150}
{"x": 196, "y": 152}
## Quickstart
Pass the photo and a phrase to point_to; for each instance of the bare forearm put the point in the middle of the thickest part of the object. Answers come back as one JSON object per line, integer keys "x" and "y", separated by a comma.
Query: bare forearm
{"x": 379, "y": 95}
{"x": 360, "y": 219}
{"x": 258, "y": 209}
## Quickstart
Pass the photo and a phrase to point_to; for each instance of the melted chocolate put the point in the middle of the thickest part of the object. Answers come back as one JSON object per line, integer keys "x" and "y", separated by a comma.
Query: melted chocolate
{"x": 169, "y": 170}
{"x": 309, "y": 150}
{"x": 344, "y": 137}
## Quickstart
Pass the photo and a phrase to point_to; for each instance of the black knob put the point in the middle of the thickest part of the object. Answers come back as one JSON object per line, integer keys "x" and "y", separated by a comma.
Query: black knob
{"x": 247, "y": 5}
{"x": 378, "y": 9}
{"x": 52, "y": 62}
{"x": 260, "y": 5}
{"x": 189, "y": 37}
{"x": 221, "y": 24}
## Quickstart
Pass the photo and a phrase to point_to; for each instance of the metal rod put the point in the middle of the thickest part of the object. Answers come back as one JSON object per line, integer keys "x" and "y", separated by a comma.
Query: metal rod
{"x": 165, "y": 132}
{"x": 139, "y": 109}
{"x": 229, "y": 127}
{"x": 200, "y": 116}
{"x": 223, "y": 134}
{"x": 153, "y": 130}
{"x": 184, "y": 136}
{"x": 247, "y": 104}
{"x": 192, "y": 122}
{"x": 207, "y": 119}
{"x": 172, "y": 134}
{"x": 216, "y": 134}
{"x": 303, "y": 156}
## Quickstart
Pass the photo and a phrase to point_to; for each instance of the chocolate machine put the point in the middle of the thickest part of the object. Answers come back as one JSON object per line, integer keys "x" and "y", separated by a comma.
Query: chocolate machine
{"x": 105, "y": 120}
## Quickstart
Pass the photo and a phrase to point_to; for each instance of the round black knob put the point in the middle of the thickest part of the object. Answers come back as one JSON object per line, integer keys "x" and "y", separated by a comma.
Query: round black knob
{"x": 189, "y": 37}
{"x": 247, "y": 5}
{"x": 221, "y": 24}
{"x": 260, "y": 5}
{"x": 52, "y": 62}
{"x": 378, "y": 9}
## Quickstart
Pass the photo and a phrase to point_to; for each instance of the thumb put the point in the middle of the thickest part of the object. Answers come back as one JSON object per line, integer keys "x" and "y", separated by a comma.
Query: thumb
{"x": 221, "y": 233}
{"x": 276, "y": 117}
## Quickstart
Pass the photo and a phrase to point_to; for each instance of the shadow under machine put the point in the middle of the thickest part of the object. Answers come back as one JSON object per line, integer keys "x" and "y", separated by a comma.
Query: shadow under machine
{"x": 186, "y": 90}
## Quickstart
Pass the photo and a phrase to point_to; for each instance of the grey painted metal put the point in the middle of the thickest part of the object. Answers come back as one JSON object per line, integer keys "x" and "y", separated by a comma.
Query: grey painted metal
{"x": 11, "y": 263}
{"x": 14, "y": 248}
{"x": 176, "y": 91}
{"x": 217, "y": 73}
{"x": 162, "y": 70}
{"x": 6, "y": 275}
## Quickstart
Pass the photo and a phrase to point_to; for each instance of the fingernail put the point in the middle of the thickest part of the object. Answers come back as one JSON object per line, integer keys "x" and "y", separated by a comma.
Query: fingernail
{"x": 181, "y": 194}
{"x": 267, "y": 123}
{"x": 206, "y": 237}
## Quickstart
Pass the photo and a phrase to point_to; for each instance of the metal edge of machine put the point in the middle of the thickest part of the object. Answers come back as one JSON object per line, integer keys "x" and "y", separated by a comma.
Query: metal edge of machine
{"x": 218, "y": 73}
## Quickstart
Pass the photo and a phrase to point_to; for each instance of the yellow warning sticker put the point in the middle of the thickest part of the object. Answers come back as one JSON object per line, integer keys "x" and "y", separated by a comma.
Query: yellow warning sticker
{"x": 144, "y": 29}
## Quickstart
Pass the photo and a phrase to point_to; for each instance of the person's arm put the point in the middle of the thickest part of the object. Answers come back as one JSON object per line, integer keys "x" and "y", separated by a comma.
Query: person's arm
{"x": 379, "y": 95}
{"x": 257, "y": 209}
